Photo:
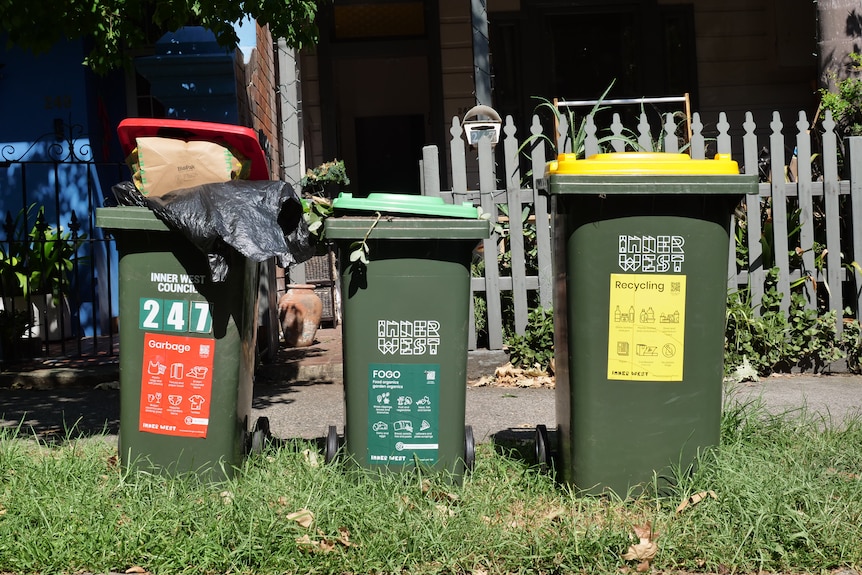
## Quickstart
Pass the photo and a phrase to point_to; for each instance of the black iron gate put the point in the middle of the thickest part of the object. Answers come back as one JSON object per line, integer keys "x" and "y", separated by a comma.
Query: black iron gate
{"x": 58, "y": 279}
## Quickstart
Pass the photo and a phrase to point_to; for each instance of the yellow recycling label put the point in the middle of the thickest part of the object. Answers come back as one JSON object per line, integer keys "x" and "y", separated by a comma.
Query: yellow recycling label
{"x": 646, "y": 327}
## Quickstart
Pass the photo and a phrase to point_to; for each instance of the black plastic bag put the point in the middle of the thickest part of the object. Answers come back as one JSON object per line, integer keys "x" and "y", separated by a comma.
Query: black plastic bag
{"x": 260, "y": 219}
{"x": 125, "y": 194}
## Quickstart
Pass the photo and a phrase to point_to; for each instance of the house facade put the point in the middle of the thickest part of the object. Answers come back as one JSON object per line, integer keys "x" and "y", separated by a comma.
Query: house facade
{"x": 388, "y": 77}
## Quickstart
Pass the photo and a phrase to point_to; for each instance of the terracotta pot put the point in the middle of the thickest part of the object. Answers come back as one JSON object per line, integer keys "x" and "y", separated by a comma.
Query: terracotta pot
{"x": 299, "y": 311}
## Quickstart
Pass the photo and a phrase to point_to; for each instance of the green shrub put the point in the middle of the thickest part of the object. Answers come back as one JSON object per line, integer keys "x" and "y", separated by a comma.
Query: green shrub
{"x": 851, "y": 344}
{"x": 846, "y": 102}
{"x": 771, "y": 341}
{"x": 536, "y": 346}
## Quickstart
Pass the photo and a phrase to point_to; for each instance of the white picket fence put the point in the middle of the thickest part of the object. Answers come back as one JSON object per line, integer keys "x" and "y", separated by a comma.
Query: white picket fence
{"x": 809, "y": 203}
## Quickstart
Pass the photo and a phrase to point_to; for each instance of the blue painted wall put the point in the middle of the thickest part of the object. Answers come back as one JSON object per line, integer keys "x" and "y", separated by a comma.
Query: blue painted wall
{"x": 49, "y": 100}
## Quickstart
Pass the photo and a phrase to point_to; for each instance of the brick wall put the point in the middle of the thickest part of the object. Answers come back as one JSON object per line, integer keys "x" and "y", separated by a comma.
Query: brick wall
{"x": 260, "y": 85}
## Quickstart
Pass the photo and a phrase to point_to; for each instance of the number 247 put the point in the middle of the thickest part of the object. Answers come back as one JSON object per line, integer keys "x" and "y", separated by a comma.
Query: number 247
{"x": 176, "y": 316}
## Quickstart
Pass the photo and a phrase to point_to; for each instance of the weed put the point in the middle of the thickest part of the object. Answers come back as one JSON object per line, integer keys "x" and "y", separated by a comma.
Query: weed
{"x": 771, "y": 341}
{"x": 851, "y": 343}
{"x": 536, "y": 346}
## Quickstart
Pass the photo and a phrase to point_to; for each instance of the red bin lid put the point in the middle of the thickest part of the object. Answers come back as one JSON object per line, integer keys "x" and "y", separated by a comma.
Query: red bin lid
{"x": 241, "y": 139}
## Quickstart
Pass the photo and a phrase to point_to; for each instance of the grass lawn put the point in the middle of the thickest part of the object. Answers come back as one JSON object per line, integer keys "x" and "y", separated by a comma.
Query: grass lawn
{"x": 780, "y": 494}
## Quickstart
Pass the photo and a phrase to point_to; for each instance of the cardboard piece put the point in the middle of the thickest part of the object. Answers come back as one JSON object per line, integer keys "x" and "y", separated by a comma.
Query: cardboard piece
{"x": 162, "y": 165}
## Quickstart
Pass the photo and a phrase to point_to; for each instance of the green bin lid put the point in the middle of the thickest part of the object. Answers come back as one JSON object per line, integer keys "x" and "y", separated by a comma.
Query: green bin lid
{"x": 405, "y": 204}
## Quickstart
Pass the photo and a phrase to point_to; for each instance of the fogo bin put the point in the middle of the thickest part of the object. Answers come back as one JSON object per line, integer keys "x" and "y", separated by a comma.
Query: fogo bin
{"x": 640, "y": 271}
{"x": 405, "y": 329}
{"x": 188, "y": 343}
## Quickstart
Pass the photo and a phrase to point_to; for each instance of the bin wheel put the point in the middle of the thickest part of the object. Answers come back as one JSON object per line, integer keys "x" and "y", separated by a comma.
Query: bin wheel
{"x": 543, "y": 455}
{"x": 260, "y": 435}
{"x": 469, "y": 448}
{"x": 331, "y": 444}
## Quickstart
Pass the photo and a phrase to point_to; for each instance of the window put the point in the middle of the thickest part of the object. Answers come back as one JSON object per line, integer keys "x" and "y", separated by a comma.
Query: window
{"x": 378, "y": 20}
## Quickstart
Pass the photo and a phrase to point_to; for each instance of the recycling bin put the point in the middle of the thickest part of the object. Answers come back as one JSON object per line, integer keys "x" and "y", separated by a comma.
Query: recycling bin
{"x": 405, "y": 328}
{"x": 640, "y": 271}
{"x": 188, "y": 343}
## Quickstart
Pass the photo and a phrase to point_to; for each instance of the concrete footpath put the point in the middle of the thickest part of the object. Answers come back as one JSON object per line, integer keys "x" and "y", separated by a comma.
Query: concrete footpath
{"x": 301, "y": 393}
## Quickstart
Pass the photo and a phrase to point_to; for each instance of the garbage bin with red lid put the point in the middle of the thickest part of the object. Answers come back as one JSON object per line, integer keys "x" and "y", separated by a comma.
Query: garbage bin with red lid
{"x": 187, "y": 342}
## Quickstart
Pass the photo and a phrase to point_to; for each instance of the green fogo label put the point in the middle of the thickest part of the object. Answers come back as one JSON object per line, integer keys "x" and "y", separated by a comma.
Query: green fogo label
{"x": 403, "y": 409}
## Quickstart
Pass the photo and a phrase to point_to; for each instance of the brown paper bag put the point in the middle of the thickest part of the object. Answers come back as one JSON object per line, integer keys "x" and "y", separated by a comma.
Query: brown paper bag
{"x": 161, "y": 165}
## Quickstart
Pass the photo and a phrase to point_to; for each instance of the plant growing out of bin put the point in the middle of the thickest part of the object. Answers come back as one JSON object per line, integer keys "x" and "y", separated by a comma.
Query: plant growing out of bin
{"x": 577, "y": 134}
{"x": 359, "y": 250}
{"x": 317, "y": 193}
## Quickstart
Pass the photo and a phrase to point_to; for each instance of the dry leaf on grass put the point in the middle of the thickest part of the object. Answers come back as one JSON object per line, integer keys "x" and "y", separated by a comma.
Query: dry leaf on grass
{"x": 644, "y": 551}
{"x": 444, "y": 510}
{"x": 326, "y": 544}
{"x": 344, "y": 537}
{"x": 438, "y": 494}
{"x": 303, "y": 517}
{"x": 695, "y": 499}
{"x": 554, "y": 515}
{"x": 136, "y": 569}
{"x": 311, "y": 458}
{"x": 645, "y": 531}
{"x": 843, "y": 474}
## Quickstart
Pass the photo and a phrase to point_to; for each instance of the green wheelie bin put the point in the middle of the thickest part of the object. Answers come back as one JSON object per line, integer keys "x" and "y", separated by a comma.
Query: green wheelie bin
{"x": 187, "y": 357}
{"x": 640, "y": 271}
{"x": 405, "y": 329}
{"x": 187, "y": 343}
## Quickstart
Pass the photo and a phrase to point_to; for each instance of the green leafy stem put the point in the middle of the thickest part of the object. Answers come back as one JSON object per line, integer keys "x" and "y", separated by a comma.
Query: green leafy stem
{"x": 359, "y": 250}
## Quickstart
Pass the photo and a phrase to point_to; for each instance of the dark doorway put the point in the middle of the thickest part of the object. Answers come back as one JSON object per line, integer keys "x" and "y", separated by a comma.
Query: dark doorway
{"x": 591, "y": 50}
{"x": 388, "y": 150}
{"x": 644, "y": 49}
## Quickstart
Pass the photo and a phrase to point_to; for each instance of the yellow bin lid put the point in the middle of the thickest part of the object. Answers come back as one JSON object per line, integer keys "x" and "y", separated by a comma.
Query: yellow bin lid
{"x": 641, "y": 163}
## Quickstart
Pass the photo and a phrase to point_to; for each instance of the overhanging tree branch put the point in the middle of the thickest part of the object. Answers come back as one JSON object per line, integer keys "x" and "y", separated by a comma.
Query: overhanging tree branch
{"x": 115, "y": 26}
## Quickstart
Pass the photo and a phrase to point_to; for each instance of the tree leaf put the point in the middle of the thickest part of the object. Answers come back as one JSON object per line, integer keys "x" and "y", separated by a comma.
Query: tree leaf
{"x": 695, "y": 499}
{"x": 643, "y": 551}
{"x": 303, "y": 517}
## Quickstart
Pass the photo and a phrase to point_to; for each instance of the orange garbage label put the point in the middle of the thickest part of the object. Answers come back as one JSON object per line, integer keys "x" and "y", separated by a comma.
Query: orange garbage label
{"x": 176, "y": 385}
